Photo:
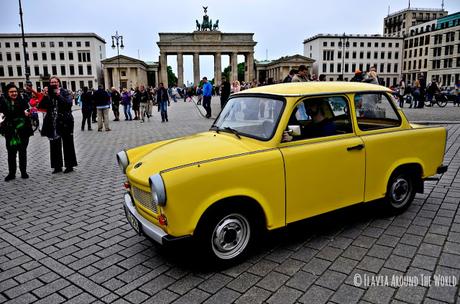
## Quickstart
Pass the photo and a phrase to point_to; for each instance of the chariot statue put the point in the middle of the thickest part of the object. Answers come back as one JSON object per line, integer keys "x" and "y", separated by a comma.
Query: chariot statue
{"x": 206, "y": 24}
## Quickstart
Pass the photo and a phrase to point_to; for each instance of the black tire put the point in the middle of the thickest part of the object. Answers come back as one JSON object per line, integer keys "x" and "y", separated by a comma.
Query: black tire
{"x": 400, "y": 192}
{"x": 442, "y": 101}
{"x": 225, "y": 236}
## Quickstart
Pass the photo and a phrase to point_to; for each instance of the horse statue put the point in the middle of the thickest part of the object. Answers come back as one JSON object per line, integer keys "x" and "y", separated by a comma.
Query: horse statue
{"x": 206, "y": 24}
{"x": 215, "y": 27}
{"x": 198, "y": 27}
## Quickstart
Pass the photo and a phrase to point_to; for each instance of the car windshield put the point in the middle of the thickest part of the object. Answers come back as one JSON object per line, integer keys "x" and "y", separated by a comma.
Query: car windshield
{"x": 250, "y": 116}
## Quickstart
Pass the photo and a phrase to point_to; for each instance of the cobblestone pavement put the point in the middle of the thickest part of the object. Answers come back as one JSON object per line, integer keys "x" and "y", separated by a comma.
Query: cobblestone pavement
{"x": 64, "y": 237}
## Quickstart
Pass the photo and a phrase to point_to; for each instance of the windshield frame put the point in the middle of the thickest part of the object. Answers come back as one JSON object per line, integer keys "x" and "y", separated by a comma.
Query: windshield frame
{"x": 256, "y": 95}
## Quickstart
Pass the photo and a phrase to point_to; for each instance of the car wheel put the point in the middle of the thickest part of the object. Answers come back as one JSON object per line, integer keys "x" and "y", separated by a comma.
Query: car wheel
{"x": 225, "y": 237}
{"x": 400, "y": 192}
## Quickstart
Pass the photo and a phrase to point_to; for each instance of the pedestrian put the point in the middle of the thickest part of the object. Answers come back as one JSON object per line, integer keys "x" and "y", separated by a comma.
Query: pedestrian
{"x": 102, "y": 100}
{"x": 86, "y": 100}
{"x": 17, "y": 128}
{"x": 143, "y": 98}
{"x": 289, "y": 77}
{"x": 116, "y": 97}
{"x": 358, "y": 77}
{"x": 402, "y": 90}
{"x": 136, "y": 104}
{"x": 94, "y": 111}
{"x": 199, "y": 95}
{"x": 302, "y": 74}
{"x": 224, "y": 92}
{"x": 236, "y": 86}
{"x": 58, "y": 126}
{"x": 174, "y": 93}
{"x": 163, "y": 102}
{"x": 207, "y": 95}
{"x": 126, "y": 102}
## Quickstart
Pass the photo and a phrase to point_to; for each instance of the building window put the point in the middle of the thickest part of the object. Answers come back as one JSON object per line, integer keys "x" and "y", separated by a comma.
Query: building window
{"x": 353, "y": 67}
{"x": 376, "y": 55}
{"x": 63, "y": 70}
{"x": 426, "y": 51}
{"x": 425, "y": 62}
{"x": 82, "y": 84}
{"x": 355, "y": 44}
{"x": 70, "y": 55}
{"x": 53, "y": 55}
{"x": 61, "y": 56}
{"x": 90, "y": 84}
{"x": 353, "y": 55}
{"x": 368, "y": 55}
{"x": 37, "y": 70}
{"x": 7, "y": 45}
{"x": 347, "y": 55}
{"x": 389, "y": 55}
{"x": 388, "y": 67}
{"x": 19, "y": 70}
{"x": 346, "y": 67}
{"x": 35, "y": 56}
{"x": 10, "y": 71}
{"x": 52, "y": 44}
{"x": 43, "y": 44}
{"x": 369, "y": 44}
{"x": 339, "y": 67}
{"x": 331, "y": 67}
{"x": 332, "y": 43}
{"x": 8, "y": 57}
{"x": 361, "y": 44}
{"x": 361, "y": 55}
{"x": 17, "y": 55}
{"x": 324, "y": 43}
{"x": 376, "y": 44}
{"x": 382, "y": 67}
{"x": 395, "y": 70}
{"x": 61, "y": 44}
{"x": 324, "y": 68}
{"x": 1, "y": 56}
{"x": 34, "y": 44}
{"x": 16, "y": 44}
{"x": 45, "y": 70}
{"x": 87, "y": 44}
{"x": 44, "y": 57}
{"x": 78, "y": 43}
{"x": 89, "y": 69}
{"x": 69, "y": 43}
{"x": 2, "y": 71}
{"x": 361, "y": 67}
{"x": 72, "y": 70}
{"x": 390, "y": 44}
{"x": 339, "y": 55}
{"x": 415, "y": 53}
{"x": 80, "y": 70}
{"x": 54, "y": 70}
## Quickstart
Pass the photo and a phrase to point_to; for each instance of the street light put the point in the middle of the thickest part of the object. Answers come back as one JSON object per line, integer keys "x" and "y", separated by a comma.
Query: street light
{"x": 343, "y": 42}
{"x": 26, "y": 67}
{"x": 118, "y": 40}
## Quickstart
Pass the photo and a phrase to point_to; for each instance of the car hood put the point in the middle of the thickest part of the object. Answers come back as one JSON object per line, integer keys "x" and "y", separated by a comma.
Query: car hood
{"x": 189, "y": 150}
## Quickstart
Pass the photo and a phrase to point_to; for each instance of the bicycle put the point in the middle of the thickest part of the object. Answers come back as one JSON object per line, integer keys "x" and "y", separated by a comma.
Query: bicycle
{"x": 439, "y": 98}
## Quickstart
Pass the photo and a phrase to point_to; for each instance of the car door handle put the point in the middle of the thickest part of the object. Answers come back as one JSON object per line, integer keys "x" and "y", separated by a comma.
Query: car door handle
{"x": 357, "y": 147}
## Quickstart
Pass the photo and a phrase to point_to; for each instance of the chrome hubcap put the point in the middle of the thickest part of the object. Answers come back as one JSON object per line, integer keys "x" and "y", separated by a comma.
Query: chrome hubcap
{"x": 230, "y": 236}
{"x": 400, "y": 191}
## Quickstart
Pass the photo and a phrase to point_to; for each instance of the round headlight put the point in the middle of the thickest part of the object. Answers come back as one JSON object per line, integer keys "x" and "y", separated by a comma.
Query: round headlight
{"x": 123, "y": 160}
{"x": 157, "y": 187}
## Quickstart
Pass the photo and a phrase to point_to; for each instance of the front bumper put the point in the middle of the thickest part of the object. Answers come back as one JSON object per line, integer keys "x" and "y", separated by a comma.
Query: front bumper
{"x": 147, "y": 228}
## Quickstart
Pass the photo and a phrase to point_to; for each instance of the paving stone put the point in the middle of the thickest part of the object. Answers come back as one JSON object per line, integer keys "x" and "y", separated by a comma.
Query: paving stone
{"x": 316, "y": 295}
{"x": 136, "y": 296}
{"x": 347, "y": 294}
{"x": 371, "y": 264}
{"x": 379, "y": 294}
{"x": 185, "y": 284}
{"x": 193, "y": 296}
{"x": 70, "y": 291}
{"x": 243, "y": 282}
{"x": 405, "y": 250}
{"x": 379, "y": 251}
{"x": 23, "y": 288}
{"x": 425, "y": 262}
{"x": 262, "y": 267}
{"x": 253, "y": 295}
{"x": 52, "y": 299}
{"x": 214, "y": 283}
{"x": 284, "y": 295}
{"x": 411, "y": 294}
{"x": 273, "y": 281}
{"x": 355, "y": 253}
{"x": 223, "y": 296}
{"x": 50, "y": 288}
{"x": 450, "y": 260}
{"x": 316, "y": 266}
{"x": 290, "y": 266}
{"x": 398, "y": 263}
{"x": 301, "y": 280}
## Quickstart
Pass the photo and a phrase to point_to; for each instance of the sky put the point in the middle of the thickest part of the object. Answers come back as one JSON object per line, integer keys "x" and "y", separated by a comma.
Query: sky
{"x": 279, "y": 27}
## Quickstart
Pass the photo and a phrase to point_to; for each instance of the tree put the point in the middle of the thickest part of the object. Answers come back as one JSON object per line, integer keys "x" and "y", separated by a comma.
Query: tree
{"x": 172, "y": 78}
{"x": 241, "y": 68}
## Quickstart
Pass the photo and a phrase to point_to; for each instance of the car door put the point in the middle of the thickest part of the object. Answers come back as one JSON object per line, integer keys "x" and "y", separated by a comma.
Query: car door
{"x": 326, "y": 172}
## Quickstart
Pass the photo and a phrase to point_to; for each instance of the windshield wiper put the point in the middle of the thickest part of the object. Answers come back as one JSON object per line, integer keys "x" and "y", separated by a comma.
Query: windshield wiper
{"x": 214, "y": 128}
{"x": 233, "y": 131}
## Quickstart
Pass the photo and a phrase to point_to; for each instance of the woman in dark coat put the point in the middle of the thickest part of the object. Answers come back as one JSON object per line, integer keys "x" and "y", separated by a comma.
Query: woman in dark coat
{"x": 17, "y": 129}
{"x": 58, "y": 126}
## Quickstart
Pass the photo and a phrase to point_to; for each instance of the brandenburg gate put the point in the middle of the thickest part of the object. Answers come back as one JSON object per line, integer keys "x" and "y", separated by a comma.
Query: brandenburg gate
{"x": 207, "y": 39}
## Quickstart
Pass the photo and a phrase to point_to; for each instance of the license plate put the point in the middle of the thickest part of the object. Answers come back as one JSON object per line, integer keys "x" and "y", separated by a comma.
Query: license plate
{"x": 133, "y": 221}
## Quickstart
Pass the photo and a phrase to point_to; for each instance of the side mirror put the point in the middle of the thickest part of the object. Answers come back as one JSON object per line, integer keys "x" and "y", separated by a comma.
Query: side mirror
{"x": 294, "y": 130}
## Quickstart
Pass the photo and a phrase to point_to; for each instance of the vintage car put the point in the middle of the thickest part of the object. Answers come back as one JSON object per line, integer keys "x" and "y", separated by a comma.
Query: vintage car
{"x": 276, "y": 155}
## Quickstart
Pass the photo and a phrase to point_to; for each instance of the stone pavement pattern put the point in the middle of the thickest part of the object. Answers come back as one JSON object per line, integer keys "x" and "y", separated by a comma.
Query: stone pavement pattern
{"x": 64, "y": 238}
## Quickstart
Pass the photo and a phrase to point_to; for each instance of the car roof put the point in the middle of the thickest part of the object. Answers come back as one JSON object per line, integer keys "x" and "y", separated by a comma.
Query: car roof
{"x": 315, "y": 87}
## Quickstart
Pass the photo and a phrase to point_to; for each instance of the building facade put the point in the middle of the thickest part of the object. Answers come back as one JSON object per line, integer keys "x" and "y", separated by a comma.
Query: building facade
{"x": 339, "y": 56}
{"x": 399, "y": 24}
{"x": 276, "y": 70}
{"x": 127, "y": 72}
{"x": 73, "y": 57}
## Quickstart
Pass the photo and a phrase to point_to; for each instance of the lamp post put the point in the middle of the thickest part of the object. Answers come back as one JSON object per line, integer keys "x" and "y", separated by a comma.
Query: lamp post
{"x": 343, "y": 42}
{"x": 26, "y": 67}
{"x": 118, "y": 41}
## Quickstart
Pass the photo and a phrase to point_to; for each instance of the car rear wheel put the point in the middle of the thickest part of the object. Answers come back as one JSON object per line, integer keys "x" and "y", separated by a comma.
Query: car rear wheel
{"x": 225, "y": 237}
{"x": 400, "y": 192}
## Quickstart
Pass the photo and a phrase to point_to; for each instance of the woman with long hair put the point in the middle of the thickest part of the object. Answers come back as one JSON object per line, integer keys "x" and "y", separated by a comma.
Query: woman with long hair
{"x": 17, "y": 129}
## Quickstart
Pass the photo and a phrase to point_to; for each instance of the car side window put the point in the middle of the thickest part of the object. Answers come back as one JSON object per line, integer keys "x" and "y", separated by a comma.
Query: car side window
{"x": 375, "y": 111}
{"x": 321, "y": 116}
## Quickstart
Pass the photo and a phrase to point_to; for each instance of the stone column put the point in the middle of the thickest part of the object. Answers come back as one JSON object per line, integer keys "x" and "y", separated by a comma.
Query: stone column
{"x": 163, "y": 69}
{"x": 234, "y": 65}
{"x": 106, "y": 77}
{"x": 180, "y": 69}
{"x": 217, "y": 68}
{"x": 249, "y": 63}
{"x": 115, "y": 79}
{"x": 196, "y": 68}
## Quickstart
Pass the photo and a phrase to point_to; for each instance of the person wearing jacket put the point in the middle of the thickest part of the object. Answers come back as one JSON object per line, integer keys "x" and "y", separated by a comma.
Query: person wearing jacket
{"x": 126, "y": 102}
{"x": 86, "y": 108}
{"x": 207, "y": 95}
{"x": 58, "y": 126}
{"x": 102, "y": 100}
{"x": 17, "y": 129}
{"x": 163, "y": 101}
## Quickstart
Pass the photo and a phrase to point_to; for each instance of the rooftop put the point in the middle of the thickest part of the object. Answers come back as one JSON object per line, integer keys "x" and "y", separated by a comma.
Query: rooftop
{"x": 47, "y": 35}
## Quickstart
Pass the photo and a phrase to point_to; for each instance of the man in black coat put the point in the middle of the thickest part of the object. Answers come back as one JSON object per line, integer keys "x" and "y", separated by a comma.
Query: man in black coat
{"x": 224, "y": 92}
{"x": 86, "y": 100}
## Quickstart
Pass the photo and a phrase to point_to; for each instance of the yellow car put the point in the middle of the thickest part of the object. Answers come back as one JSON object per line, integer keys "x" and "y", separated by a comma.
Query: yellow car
{"x": 271, "y": 158}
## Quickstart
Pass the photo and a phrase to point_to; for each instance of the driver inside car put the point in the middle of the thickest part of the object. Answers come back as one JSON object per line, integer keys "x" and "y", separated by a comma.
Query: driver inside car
{"x": 318, "y": 126}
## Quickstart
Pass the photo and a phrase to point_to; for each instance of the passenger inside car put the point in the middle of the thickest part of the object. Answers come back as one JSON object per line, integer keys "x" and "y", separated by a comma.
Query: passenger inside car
{"x": 318, "y": 125}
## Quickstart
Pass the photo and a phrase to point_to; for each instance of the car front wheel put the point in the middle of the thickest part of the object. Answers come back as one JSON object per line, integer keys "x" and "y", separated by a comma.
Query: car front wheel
{"x": 225, "y": 237}
{"x": 400, "y": 192}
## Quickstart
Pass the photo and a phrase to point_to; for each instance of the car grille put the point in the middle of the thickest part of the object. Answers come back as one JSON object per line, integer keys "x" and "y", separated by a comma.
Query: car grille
{"x": 145, "y": 199}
